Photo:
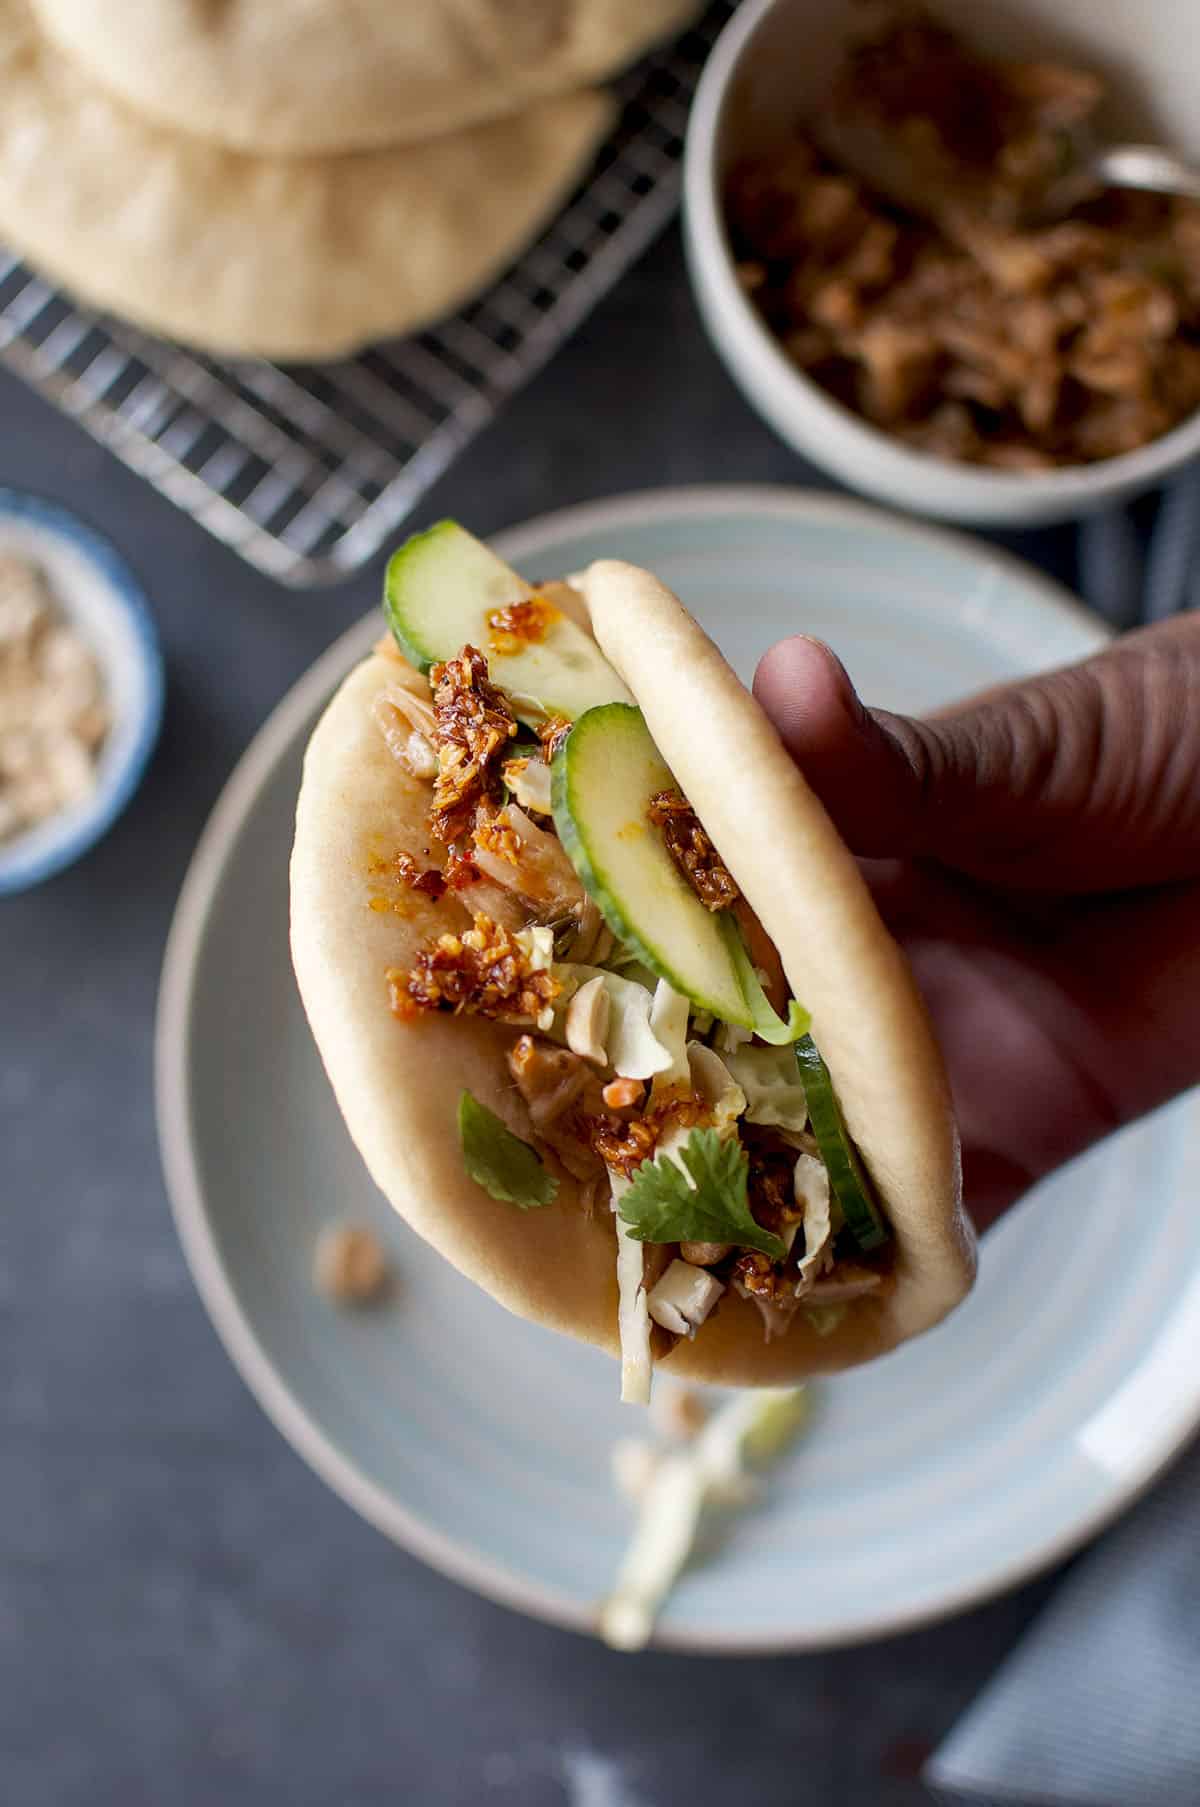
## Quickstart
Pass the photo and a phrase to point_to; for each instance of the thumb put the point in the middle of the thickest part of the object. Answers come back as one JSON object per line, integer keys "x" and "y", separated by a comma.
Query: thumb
{"x": 1080, "y": 780}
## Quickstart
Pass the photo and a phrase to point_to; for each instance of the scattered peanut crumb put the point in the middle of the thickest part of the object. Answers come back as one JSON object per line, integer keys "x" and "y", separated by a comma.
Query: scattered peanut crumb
{"x": 678, "y": 1412}
{"x": 635, "y": 1462}
{"x": 350, "y": 1266}
{"x": 54, "y": 714}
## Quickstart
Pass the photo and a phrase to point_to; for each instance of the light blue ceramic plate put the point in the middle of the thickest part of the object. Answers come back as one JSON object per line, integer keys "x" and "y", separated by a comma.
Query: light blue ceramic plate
{"x": 100, "y": 595}
{"x": 940, "y": 1475}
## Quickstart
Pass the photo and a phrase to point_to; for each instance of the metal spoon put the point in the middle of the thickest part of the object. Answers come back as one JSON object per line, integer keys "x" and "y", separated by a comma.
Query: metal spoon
{"x": 870, "y": 152}
{"x": 1094, "y": 166}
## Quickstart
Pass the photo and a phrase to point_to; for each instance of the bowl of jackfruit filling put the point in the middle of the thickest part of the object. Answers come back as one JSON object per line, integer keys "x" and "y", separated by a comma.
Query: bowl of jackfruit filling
{"x": 81, "y": 688}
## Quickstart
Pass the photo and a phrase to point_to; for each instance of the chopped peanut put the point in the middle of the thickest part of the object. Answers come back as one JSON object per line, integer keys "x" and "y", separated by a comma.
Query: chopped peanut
{"x": 486, "y": 971}
{"x": 623, "y": 1094}
{"x": 54, "y": 713}
{"x": 350, "y": 1266}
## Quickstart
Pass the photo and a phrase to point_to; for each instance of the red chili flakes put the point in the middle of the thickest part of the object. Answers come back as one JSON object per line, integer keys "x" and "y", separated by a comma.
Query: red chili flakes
{"x": 521, "y": 624}
{"x": 692, "y": 851}
{"x": 483, "y": 972}
{"x": 461, "y": 869}
{"x": 430, "y": 882}
{"x": 473, "y": 726}
{"x": 395, "y": 877}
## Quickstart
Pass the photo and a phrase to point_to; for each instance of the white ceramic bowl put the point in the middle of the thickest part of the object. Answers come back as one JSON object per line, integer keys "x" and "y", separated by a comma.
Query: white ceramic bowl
{"x": 98, "y": 593}
{"x": 765, "y": 72}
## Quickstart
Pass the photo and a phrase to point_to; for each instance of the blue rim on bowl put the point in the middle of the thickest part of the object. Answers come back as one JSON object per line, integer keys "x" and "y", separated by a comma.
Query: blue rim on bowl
{"x": 94, "y": 587}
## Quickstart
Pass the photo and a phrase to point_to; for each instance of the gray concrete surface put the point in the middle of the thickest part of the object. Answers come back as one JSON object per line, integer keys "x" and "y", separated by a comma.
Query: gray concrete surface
{"x": 186, "y": 1614}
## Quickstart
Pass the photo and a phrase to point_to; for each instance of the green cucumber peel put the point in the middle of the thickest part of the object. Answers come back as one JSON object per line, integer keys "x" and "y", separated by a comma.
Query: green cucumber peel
{"x": 767, "y": 1024}
{"x": 848, "y": 1180}
{"x": 443, "y": 532}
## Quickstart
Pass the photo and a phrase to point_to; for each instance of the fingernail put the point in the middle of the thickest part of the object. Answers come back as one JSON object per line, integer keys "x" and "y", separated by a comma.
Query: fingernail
{"x": 852, "y": 699}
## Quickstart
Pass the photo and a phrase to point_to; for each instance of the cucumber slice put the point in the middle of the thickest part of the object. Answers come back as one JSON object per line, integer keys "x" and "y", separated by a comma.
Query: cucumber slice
{"x": 440, "y": 588}
{"x": 602, "y": 780}
{"x": 847, "y": 1178}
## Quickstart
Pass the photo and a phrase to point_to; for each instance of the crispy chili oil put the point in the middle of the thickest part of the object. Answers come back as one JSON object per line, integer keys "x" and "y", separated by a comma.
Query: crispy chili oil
{"x": 473, "y": 726}
{"x": 521, "y": 624}
{"x": 692, "y": 850}
{"x": 483, "y": 972}
{"x": 429, "y": 882}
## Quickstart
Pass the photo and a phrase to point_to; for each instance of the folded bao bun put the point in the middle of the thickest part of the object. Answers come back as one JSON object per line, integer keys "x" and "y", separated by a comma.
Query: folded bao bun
{"x": 398, "y": 1084}
{"x": 257, "y": 255}
{"x": 298, "y": 77}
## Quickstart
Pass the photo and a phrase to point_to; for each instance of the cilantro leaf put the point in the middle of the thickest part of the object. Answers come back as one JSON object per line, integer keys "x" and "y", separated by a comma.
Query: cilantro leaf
{"x": 660, "y": 1205}
{"x": 499, "y": 1161}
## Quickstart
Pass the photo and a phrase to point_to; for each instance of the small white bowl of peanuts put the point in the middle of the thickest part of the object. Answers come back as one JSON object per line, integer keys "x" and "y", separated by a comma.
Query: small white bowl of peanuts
{"x": 81, "y": 688}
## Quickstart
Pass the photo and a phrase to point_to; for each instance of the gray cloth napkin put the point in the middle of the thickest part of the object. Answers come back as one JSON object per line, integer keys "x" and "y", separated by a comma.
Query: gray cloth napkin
{"x": 1131, "y": 584}
{"x": 1173, "y": 564}
{"x": 1099, "y": 1704}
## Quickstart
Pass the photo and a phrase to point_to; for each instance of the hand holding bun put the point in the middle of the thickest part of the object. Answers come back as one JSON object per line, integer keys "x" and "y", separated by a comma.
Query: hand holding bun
{"x": 1037, "y": 852}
